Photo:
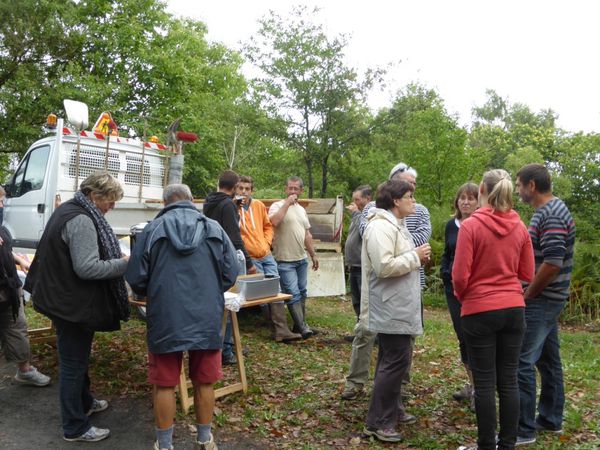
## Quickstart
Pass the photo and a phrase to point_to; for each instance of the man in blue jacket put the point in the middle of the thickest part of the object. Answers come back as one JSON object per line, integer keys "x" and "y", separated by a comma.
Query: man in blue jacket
{"x": 183, "y": 262}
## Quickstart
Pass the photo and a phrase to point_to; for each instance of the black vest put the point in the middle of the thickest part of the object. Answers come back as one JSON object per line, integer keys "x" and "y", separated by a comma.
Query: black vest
{"x": 57, "y": 291}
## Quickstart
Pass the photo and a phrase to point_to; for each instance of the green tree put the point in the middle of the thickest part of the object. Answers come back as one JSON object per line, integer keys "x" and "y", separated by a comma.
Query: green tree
{"x": 418, "y": 131}
{"x": 501, "y": 129}
{"x": 308, "y": 86}
{"x": 129, "y": 57}
{"x": 37, "y": 43}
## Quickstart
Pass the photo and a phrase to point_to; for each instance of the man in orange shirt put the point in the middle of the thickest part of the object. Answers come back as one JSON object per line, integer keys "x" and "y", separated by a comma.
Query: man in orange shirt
{"x": 257, "y": 234}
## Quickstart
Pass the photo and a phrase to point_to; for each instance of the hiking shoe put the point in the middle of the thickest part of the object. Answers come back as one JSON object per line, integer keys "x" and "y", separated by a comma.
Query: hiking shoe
{"x": 542, "y": 429}
{"x": 351, "y": 393}
{"x": 92, "y": 435}
{"x": 385, "y": 435}
{"x": 406, "y": 419}
{"x": 156, "y": 447}
{"x": 210, "y": 445}
{"x": 33, "y": 377}
{"x": 524, "y": 440}
{"x": 464, "y": 394}
{"x": 97, "y": 406}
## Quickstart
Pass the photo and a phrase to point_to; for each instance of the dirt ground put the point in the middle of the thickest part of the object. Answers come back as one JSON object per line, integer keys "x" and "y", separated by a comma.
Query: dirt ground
{"x": 30, "y": 419}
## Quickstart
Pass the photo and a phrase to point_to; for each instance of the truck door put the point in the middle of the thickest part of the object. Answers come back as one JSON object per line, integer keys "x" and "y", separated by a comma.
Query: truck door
{"x": 25, "y": 206}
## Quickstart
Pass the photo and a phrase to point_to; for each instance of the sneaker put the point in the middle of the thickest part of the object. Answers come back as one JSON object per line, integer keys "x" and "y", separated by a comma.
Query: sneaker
{"x": 228, "y": 360}
{"x": 97, "y": 406}
{"x": 351, "y": 393}
{"x": 33, "y": 377}
{"x": 210, "y": 445}
{"x": 156, "y": 447}
{"x": 385, "y": 435}
{"x": 465, "y": 447}
{"x": 464, "y": 394}
{"x": 406, "y": 419}
{"x": 542, "y": 429}
{"x": 92, "y": 435}
{"x": 524, "y": 440}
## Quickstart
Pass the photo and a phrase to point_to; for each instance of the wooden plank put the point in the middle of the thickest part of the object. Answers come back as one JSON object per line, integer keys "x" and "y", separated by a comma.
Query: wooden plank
{"x": 42, "y": 335}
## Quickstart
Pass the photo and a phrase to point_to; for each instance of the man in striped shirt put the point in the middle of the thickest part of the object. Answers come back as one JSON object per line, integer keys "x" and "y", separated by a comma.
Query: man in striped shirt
{"x": 552, "y": 231}
{"x": 419, "y": 226}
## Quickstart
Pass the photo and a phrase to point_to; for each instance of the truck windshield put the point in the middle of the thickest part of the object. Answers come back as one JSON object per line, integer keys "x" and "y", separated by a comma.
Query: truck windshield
{"x": 31, "y": 172}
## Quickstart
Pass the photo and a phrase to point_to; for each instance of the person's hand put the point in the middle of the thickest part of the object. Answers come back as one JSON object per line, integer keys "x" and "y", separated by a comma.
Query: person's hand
{"x": 125, "y": 257}
{"x": 352, "y": 208}
{"x": 424, "y": 252}
{"x": 315, "y": 262}
{"x": 291, "y": 199}
{"x": 251, "y": 270}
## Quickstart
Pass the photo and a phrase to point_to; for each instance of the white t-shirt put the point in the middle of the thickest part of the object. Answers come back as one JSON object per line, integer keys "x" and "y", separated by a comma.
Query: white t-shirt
{"x": 288, "y": 240}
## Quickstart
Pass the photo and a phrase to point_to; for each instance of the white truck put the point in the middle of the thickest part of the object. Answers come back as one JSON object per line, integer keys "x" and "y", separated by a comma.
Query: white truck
{"x": 53, "y": 168}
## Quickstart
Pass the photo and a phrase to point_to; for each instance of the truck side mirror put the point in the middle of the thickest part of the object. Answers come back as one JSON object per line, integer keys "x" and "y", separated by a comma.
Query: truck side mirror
{"x": 77, "y": 114}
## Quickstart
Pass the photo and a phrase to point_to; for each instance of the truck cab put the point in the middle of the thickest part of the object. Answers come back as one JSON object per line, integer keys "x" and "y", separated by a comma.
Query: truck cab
{"x": 53, "y": 168}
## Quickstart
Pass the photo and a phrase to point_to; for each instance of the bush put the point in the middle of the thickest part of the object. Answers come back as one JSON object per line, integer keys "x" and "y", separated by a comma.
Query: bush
{"x": 584, "y": 303}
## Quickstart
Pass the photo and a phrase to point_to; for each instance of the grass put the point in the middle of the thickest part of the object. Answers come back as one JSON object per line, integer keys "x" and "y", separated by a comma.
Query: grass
{"x": 294, "y": 397}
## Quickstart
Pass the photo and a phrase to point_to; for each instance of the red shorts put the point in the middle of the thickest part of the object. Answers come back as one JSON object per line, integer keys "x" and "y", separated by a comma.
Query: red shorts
{"x": 164, "y": 369}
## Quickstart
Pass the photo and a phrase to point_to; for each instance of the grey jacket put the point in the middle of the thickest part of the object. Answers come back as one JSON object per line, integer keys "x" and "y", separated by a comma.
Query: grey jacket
{"x": 353, "y": 245}
{"x": 391, "y": 292}
{"x": 183, "y": 262}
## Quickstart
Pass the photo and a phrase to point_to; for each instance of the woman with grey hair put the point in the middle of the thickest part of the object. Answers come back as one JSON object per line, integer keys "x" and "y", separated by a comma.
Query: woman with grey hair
{"x": 76, "y": 279}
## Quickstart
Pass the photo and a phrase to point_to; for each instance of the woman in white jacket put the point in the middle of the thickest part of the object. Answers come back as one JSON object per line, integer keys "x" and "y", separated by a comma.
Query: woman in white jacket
{"x": 390, "y": 300}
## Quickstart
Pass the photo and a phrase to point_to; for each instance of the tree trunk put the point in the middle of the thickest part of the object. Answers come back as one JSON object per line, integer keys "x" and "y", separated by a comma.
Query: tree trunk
{"x": 324, "y": 168}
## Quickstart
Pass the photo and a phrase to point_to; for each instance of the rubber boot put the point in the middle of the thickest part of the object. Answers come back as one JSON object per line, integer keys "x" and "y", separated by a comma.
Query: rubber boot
{"x": 266, "y": 312}
{"x": 281, "y": 332}
{"x": 298, "y": 318}
{"x": 303, "y": 301}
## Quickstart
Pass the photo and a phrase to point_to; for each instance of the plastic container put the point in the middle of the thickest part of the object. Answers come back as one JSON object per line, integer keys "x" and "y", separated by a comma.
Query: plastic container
{"x": 258, "y": 287}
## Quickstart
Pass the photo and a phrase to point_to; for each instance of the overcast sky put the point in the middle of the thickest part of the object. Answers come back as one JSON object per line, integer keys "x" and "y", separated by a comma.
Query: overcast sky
{"x": 540, "y": 53}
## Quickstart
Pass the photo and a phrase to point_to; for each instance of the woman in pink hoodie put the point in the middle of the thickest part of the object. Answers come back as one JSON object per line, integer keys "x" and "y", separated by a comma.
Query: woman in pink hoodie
{"x": 493, "y": 255}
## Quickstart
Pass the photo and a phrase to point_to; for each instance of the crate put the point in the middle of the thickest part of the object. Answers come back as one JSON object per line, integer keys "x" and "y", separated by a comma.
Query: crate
{"x": 257, "y": 287}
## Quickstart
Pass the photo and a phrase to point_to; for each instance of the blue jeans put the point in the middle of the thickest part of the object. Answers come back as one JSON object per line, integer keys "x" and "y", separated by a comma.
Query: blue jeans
{"x": 494, "y": 341}
{"x": 228, "y": 345}
{"x": 266, "y": 265}
{"x": 541, "y": 349}
{"x": 293, "y": 276}
{"x": 74, "y": 346}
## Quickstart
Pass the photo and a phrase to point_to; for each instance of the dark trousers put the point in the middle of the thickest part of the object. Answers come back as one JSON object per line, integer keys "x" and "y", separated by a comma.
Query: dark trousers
{"x": 355, "y": 278}
{"x": 454, "y": 308}
{"x": 393, "y": 361}
{"x": 74, "y": 347}
{"x": 494, "y": 341}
